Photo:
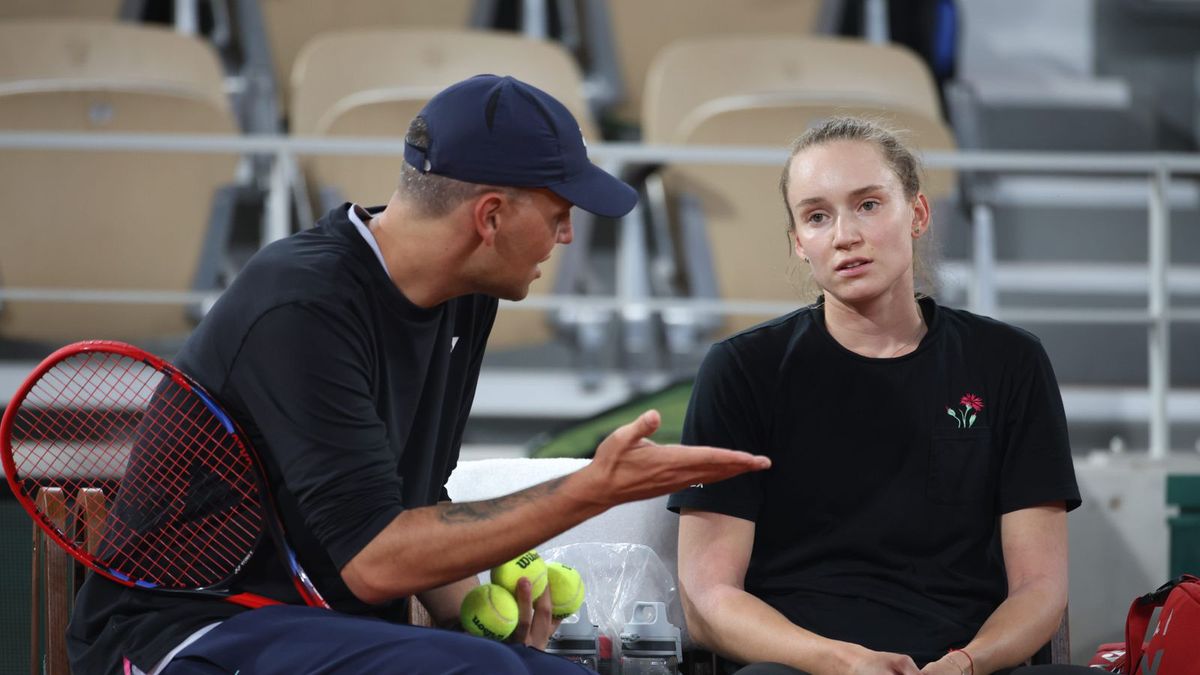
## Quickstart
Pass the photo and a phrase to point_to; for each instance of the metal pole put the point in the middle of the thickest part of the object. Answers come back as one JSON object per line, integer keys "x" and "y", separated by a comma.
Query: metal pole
{"x": 875, "y": 22}
{"x": 276, "y": 221}
{"x": 633, "y": 289}
{"x": 983, "y": 255}
{"x": 533, "y": 19}
{"x": 1159, "y": 333}
{"x": 187, "y": 18}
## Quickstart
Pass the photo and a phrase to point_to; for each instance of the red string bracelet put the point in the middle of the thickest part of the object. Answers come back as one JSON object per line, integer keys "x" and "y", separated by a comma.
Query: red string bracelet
{"x": 970, "y": 661}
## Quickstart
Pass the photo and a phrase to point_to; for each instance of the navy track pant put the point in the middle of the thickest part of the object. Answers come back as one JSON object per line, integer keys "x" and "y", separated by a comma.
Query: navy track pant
{"x": 299, "y": 640}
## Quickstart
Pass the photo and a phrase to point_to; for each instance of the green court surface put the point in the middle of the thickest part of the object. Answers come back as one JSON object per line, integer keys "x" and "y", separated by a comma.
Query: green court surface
{"x": 580, "y": 439}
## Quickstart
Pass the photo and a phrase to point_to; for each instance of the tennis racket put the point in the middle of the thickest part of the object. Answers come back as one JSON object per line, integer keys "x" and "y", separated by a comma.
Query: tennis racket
{"x": 189, "y": 500}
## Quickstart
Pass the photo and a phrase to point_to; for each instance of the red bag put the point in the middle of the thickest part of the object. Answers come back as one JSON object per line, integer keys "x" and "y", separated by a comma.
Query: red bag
{"x": 1109, "y": 657}
{"x": 1174, "y": 648}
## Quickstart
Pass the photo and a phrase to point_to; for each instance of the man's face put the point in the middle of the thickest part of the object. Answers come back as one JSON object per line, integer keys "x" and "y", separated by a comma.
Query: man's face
{"x": 533, "y": 223}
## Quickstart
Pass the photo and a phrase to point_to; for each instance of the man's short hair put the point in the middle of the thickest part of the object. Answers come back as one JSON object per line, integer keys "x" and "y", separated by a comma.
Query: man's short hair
{"x": 430, "y": 195}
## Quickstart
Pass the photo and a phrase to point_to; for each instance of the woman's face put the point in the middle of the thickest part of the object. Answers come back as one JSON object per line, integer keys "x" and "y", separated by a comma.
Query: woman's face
{"x": 853, "y": 222}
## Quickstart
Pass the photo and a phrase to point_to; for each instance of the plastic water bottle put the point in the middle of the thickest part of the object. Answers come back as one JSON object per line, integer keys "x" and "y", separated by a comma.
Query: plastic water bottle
{"x": 577, "y": 640}
{"x": 650, "y": 645}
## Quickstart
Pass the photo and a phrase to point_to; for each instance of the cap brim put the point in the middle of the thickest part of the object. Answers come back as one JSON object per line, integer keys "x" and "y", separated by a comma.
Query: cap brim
{"x": 599, "y": 192}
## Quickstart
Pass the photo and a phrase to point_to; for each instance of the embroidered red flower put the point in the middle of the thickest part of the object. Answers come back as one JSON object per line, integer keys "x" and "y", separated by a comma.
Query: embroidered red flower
{"x": 972, "y": 401}
{"x": 971, "y": 404}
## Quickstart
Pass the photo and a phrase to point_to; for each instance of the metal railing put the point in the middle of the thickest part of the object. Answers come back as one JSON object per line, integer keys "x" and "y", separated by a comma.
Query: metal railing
{"x": 1158, "y": 169}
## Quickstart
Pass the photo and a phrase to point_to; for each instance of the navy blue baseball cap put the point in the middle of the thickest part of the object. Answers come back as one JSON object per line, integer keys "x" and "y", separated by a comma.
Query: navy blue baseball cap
{"x": 501, "y": 131}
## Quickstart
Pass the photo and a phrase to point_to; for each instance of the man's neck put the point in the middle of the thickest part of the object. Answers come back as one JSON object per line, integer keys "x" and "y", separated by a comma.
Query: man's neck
{"x": 422, "y": 255}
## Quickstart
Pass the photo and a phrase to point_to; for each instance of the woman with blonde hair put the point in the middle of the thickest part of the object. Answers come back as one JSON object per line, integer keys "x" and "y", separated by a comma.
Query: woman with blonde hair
{"x": 914, "y": 518}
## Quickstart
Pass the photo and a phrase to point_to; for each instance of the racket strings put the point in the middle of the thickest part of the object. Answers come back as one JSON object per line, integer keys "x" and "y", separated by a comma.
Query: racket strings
{"x": 185, "y": 513}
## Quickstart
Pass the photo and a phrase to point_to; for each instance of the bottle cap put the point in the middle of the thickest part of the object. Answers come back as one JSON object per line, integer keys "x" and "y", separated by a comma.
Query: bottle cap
{"x": 649, "y": 633}
{"x": 575, "y": 635}
{"x": 576, "y": 625}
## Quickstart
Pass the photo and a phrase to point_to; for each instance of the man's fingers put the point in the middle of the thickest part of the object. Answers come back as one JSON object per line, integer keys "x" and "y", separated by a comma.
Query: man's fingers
{"x": 544, "y": 604}
{"x": 721, "y": 461}
{"x": 524, "y": 610}
{"x": 543, "y": 621}
{"x": 645, "y": 425}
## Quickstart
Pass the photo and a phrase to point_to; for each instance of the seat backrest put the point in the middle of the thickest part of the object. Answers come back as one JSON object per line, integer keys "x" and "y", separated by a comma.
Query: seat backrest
{"x": 700, "y": 93}
{"x": 291, "y": 24}
{"x": 338, "y": 93}
{"x": 691, "y": 73}
{"x": 56, "y": 576}
{"x": 70, "y": 9}
{"x": 641, "y": 30}
{"x": 86, "y": 54}
{"x": 105, "y": 219}
{"x": 1058, "y": 650}
{"x": 50, "y": 603}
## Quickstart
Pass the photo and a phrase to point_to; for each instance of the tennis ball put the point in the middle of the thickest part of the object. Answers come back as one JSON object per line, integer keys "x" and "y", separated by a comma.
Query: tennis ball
{"x": 489, "y": 611}
{"x": 530, "y": 565}
{"x": 566, "y": 589}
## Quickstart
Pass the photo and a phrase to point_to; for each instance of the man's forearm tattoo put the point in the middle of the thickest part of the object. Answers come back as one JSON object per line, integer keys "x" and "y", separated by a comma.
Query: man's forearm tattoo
{"x": 467, "y": 512}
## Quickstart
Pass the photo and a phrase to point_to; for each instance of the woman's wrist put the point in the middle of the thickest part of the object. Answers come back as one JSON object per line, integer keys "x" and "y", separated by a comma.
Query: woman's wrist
{"x": 963, "y": 659}
{"x": 842, "y": 655}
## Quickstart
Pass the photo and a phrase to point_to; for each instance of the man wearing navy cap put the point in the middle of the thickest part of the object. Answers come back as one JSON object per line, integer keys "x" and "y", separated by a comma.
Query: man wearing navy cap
{"x": 350, "y": 353}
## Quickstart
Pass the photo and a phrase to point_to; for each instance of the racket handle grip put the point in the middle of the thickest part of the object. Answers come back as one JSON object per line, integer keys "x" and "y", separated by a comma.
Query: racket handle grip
{"x": 251, "y": 600}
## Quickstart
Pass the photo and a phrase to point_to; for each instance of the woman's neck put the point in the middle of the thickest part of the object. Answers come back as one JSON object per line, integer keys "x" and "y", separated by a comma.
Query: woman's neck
{"x": 881, "y": 329}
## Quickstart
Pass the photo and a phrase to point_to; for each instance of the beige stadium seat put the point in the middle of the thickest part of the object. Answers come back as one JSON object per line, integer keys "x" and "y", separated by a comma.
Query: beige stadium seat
{"x": 767, "y": 91}
{"x": 70, "y": 9}
{"x": 336, "y": 92}
{"x": 641, "y": 29}
{"x": 291, "y": 24}
{"x": 119, "y": 220}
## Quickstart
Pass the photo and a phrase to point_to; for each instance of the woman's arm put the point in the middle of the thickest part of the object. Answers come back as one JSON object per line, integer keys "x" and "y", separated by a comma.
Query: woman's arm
{"x": 1034, "y": 541}
{"x": 714, "y": 552}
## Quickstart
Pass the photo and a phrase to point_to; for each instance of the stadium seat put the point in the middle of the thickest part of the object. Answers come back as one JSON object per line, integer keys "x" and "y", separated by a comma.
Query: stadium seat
{"x": 68, "y": 9}
{"x": 636, "y": 31}
{"x": 290, "y": 24}
{"x": 110, "y": 220}
{"x": 57, "y": 576}
{"x": 766, "y": 91}
{"x": 335, "y": 92}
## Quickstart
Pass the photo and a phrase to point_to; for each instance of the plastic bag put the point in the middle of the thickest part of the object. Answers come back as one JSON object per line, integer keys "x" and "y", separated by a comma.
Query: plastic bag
{"x": 616, "y": 577}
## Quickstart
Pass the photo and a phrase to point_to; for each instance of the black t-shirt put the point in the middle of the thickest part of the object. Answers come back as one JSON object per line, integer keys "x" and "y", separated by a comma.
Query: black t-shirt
{"x": 354, "y": 397}
{"x": 878, "y": 522}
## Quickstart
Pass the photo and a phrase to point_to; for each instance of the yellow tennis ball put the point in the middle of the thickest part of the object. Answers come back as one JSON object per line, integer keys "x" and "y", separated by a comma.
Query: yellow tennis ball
{"x": 530, "y": 565}
{"x": 489, "y": 611}
{"x": 566, "y": 589}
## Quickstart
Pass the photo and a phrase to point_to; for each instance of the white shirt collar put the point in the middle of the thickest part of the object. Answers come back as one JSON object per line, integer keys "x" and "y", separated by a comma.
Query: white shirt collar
{"x": 366, "y": 234}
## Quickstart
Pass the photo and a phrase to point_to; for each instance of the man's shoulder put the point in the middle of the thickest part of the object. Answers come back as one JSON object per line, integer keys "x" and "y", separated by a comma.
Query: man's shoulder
{"x": 318, "y": 263}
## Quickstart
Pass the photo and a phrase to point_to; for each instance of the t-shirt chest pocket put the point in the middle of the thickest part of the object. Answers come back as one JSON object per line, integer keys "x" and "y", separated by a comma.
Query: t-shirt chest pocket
{"x": 960, "y": 463}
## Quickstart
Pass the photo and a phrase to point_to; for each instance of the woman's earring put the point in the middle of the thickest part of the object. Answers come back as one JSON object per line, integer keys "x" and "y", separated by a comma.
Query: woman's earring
{"x": 805, "y": 258}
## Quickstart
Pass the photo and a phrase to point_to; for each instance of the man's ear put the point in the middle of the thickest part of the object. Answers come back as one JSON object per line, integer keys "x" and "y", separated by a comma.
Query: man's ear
{"x": 486, "y": 214}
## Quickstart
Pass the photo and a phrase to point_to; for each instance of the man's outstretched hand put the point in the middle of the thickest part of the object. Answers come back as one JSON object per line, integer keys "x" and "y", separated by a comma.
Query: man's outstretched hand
{"x": 628, "y": 466}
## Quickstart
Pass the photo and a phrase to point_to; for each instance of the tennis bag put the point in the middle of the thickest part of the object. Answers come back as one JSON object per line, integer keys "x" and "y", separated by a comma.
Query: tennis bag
{"x": 1174, "y": 647}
